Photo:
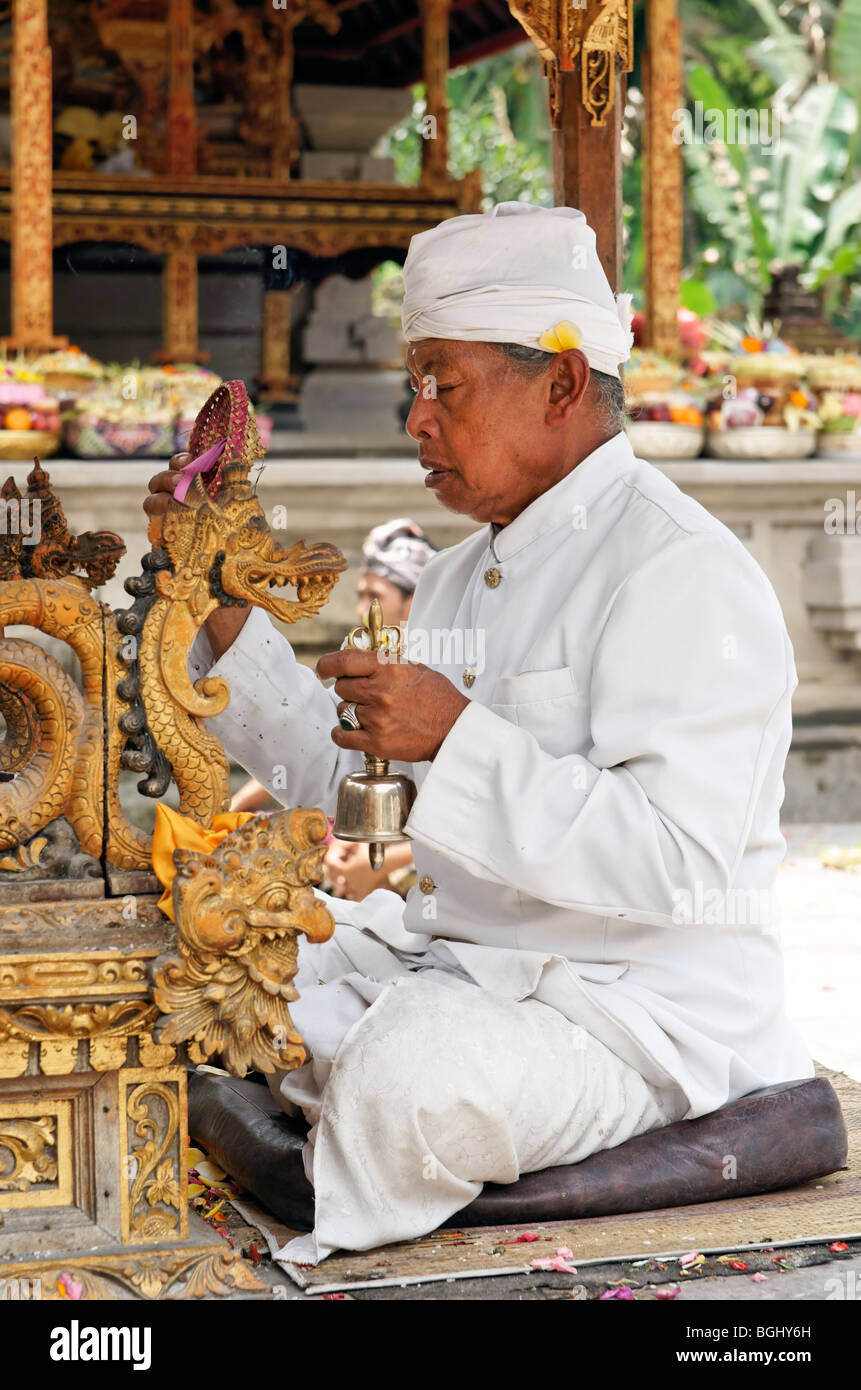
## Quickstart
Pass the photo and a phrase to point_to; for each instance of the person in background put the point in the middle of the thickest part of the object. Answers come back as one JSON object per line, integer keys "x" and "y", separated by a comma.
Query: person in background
{"x": 393, "y": 556}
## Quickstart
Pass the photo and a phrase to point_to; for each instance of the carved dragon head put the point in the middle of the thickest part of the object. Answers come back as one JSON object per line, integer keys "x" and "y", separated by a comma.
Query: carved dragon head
{"x": 254, "y": 887}
{"x": 239, "y": 912}
{"x": 226, "y": 542}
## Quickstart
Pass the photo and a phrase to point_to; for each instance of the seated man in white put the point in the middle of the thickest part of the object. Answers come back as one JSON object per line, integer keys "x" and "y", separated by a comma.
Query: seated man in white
{"x": 591, "y": 951}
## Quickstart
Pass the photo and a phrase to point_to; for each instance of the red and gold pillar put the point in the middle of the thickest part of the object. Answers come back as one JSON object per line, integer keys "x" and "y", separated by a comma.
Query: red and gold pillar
{"x": 179, "y": 273}
{"x": 587, "y": 163}
{"x": 436, "y": 60}
{"x": 276, "y": 382}
{"x": 32, "y": 149}
{"x": 181, "y": 120}
{"x": 587, "y": 49}
{"x": 179, "y": 308}
{"x": 662, "y": 177}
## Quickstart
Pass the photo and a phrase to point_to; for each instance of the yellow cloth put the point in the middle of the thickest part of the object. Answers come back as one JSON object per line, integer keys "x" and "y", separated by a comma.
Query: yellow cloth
{"x": 173, "y": 831}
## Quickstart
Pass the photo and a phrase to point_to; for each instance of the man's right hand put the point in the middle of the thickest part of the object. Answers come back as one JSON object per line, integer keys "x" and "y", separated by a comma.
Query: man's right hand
{"x": 224, "y": 625}
{"x": 161, "y": 487}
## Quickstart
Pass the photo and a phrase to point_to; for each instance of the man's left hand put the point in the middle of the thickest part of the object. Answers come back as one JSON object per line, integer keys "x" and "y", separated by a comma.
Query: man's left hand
{"x": 405, "y": 709}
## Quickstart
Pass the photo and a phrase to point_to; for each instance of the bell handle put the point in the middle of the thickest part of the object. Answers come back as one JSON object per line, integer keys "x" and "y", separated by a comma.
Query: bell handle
{"x": 377, "y": 634}
{"x": 375, "y": 624}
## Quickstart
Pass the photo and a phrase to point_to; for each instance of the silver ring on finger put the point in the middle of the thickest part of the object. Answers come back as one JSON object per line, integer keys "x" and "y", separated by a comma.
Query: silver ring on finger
{"x": 348, "y": 718}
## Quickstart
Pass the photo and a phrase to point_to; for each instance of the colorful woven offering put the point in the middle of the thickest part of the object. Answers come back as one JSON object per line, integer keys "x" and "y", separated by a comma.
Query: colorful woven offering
{"x": 224, "y": 429}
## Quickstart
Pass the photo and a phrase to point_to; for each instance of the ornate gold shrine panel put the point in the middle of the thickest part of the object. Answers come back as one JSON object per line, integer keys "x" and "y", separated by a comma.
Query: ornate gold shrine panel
{"x": 93, "y": 1101}
{"x": 35, "y": 1153}
{"x": 209, "y": 217}
{"x": 100, "y": 1154}
{"x": 153, "y": 1137}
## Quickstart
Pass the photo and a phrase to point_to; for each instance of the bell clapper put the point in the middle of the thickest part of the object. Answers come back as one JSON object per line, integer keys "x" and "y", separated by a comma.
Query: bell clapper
{"x": 373, "y": 805}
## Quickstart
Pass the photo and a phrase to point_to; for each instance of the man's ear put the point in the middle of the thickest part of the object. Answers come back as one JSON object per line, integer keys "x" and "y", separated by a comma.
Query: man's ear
{"x": 569, "y": 377}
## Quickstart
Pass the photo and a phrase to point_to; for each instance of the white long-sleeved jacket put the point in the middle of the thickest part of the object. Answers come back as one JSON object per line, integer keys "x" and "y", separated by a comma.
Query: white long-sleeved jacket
{"x": 601, "y": 823}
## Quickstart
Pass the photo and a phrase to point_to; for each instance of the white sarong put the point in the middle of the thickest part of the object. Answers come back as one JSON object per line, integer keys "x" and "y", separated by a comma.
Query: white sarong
{"x": 421, "y": 1086}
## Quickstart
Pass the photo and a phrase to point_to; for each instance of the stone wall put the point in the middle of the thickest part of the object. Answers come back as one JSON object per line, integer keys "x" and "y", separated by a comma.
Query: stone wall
{"x": 115, "y": 315}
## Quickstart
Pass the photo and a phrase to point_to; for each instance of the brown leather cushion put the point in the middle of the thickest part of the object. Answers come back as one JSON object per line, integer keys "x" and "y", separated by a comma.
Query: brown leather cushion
{"x": 778, "y": 1137}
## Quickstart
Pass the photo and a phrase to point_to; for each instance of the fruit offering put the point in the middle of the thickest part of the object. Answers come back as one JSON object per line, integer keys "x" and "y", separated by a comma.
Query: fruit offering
{"x": 658, "y": 391}
{"x": 137, "y": 412}
{"x": 763, "y": 385}
{"x": 837, "y": 382}
{"x": 68, "y": 371}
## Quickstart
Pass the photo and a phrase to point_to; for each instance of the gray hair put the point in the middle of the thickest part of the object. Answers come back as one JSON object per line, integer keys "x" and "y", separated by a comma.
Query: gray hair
{"x": 608, "y": 391}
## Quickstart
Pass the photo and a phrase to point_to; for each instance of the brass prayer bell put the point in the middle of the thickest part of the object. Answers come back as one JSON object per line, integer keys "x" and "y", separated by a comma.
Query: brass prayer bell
{"x": 373, "y": 806}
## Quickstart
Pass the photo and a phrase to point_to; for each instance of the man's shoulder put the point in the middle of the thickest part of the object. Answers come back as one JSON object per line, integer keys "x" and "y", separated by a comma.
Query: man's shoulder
{"x": 661, "y": 530}
{"x": 650, "y": 496}
{"x": 655, "y": 515}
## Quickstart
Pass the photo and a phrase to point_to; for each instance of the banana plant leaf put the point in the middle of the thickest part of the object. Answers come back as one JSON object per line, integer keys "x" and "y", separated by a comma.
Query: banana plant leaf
{"x": 704, "y": 87}
{"x": 810, "y": 147}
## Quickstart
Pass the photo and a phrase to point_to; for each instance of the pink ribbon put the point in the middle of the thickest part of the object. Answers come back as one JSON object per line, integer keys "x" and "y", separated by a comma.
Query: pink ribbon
{"x": 198, "y": 465}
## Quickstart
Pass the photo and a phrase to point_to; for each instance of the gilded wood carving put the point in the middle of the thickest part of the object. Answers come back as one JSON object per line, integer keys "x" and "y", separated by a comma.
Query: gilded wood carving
{"x": 35, "y": 1022}
{"x": 239, "y": 912}
{"x": 136, "y": 686}
{"x": 32, "y": 1147}
{"x": 199, "y": 1272}
{"x": 154, "y": 1195}
{"x": 93, "y": 1114}
{"x": 205, "y": 553}
{"x": 594, "y": 36}
{"x": 35, "y": 1153}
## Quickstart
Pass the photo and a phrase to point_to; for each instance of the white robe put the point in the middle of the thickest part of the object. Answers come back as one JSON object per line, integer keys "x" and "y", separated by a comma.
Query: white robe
{"x": 601, "y": 825}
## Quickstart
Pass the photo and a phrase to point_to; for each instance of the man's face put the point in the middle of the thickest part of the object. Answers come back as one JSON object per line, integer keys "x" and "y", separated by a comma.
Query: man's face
{"x": 393, "y": 601}
{"x": 482, "y": 427}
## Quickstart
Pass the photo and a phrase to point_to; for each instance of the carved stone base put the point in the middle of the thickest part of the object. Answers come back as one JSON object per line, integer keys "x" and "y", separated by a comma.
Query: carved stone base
{"x": 199, "y": 1267}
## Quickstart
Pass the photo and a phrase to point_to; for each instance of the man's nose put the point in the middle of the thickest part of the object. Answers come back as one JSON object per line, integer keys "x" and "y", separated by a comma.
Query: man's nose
{"x": 421, "y": 421}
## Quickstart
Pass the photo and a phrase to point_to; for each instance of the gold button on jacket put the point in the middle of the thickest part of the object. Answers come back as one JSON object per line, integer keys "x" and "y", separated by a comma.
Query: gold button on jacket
{"x": 492, "y": 578}
{"x": 468, "y": 677}
{"x": 426, "y": 884}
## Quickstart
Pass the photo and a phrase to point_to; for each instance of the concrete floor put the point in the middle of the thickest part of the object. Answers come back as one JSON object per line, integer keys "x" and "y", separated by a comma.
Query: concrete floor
{"x": 822, "y": 944}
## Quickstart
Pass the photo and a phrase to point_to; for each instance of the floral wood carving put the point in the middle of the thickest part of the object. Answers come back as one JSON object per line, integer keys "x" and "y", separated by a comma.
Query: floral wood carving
{"x": 596, "y": 36}
{"x": 30, "y": 1144}
{"x": 239, "y": 912}
{"x": 166, "y": 1274}
{"x": 38, "y": 1022}
{"x": 155, "y": 1200}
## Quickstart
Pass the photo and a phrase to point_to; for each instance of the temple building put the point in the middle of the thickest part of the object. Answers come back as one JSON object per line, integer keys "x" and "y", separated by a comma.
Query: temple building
{"x": 200, "y": 182}
{"x": 204, "y": 205}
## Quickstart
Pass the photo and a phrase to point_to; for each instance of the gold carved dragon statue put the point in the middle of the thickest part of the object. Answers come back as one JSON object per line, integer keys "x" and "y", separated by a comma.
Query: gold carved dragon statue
{"x": 239, "y": 909}
{"x": 138, "y": 707}
{"x": 103, "y": 998}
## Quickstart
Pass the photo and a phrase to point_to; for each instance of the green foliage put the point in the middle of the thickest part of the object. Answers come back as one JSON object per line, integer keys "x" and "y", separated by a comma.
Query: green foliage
{"x": 497, "y": 123}
{"x": 844, "y": 60}
{"x": 696, "y": 296}
{"x": 747, "y": 206}
{"x": 796, "y": 200}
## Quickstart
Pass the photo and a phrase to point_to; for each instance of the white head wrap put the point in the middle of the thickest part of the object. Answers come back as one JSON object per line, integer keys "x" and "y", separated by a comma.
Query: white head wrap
{"x": 398, "y": 550}
{"x": 510, "y": 275}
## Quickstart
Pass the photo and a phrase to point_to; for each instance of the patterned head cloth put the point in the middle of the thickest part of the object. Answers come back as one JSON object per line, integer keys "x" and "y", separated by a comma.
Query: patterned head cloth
{"x": 516, "y": 274}
{"x": 398, "y": 551}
